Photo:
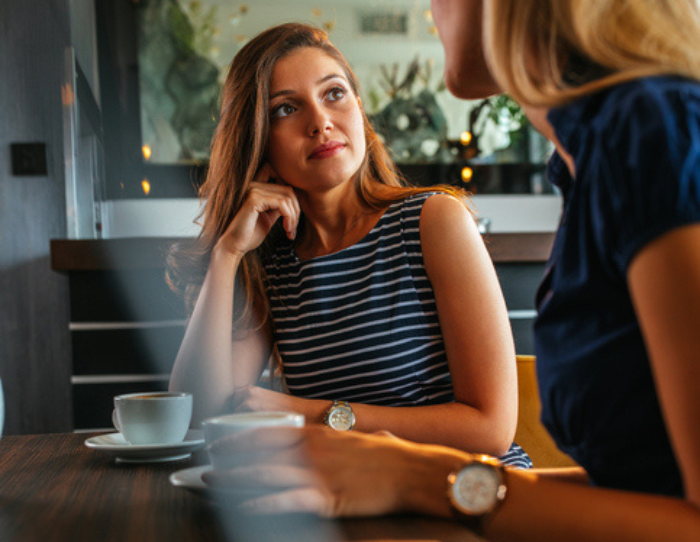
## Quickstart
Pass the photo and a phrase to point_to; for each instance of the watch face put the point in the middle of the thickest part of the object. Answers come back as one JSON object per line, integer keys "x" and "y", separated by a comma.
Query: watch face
{"x": 341, "y": 419}
{"x": 477, "y": 489}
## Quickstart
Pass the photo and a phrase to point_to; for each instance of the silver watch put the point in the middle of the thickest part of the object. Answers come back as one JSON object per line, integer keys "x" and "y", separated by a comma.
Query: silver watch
{"x": 476, "y": 490}
{"x": 340, "y": 416}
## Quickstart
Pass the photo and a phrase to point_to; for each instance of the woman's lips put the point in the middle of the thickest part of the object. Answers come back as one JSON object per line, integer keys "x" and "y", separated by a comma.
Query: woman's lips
{"x": 326, "y": 150}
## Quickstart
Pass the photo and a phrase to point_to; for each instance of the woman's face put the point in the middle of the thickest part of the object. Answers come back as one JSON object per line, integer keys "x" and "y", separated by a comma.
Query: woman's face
{"x": 317, "y": 139}
{"x": 459, "y": 24}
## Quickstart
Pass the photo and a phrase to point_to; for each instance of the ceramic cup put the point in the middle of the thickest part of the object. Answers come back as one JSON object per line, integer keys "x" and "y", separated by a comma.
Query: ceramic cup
{"x": 153, "y": 417}
{"x": 221, "y": 426}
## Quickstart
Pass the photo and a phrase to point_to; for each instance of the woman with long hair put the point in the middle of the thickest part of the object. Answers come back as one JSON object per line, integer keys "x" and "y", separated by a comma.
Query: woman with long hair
{"x": 378, "y": 300}
{"x": 615, "y": 85}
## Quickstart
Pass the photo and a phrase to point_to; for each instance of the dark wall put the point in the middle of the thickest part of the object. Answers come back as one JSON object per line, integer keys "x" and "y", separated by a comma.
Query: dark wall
{"x": 34, "y": 336}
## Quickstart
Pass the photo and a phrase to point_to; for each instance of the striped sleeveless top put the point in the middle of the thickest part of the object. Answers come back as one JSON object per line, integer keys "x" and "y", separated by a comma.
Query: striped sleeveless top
{"x": 361, "y": 324}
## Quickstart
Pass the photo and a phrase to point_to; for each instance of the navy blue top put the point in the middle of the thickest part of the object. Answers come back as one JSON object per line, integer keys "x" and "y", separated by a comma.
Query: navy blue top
{"x": 636, "y": 148}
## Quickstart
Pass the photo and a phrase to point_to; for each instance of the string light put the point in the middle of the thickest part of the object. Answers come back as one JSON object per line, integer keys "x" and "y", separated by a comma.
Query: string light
{"x": 465, "y": 138}
{"x": 146, "y": 150}
{"x": 146, "y": 186}
{"x": 467, "y": 174}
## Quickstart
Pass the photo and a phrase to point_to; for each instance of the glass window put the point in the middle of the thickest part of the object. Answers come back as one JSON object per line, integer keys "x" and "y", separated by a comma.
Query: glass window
{"x": 184, "y": 48}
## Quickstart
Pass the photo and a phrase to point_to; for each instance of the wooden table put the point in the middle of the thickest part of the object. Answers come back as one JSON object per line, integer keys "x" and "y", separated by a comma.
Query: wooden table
{"x": 53, "y": 488}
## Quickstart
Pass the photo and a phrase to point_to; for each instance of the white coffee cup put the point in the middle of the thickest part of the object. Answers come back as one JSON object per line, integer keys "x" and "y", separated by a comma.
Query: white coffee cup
{"x": 228, "y": 424}
{"x": 153, "y": 417}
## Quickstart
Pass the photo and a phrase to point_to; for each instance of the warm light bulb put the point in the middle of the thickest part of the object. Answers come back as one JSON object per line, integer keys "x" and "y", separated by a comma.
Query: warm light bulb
{"x": 146, "y": 150}
{"x": 467, "y": 174}
{"x": 67, "y": 95}
{"x": 146, "y": 186}
{"x": 465, "y": 138}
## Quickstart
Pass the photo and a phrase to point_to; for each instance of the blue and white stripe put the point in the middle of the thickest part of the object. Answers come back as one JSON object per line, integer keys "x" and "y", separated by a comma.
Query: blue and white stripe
{"x": 361, "y": 324}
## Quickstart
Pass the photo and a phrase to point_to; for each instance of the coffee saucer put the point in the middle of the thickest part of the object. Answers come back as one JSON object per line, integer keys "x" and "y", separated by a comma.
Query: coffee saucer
{"x": 191, "y": 480}
{"x": 115, "y": 445}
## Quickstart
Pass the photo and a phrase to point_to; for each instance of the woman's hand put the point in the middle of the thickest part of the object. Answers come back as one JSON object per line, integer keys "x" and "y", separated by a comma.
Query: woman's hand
{"x": 330, "y": 473}
{"x": 255, "y": 399}
{"x": 267, "y": 200}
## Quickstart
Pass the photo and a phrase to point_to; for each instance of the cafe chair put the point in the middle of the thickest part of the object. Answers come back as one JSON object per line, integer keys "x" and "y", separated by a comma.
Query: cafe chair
{"x": 530, "y": 433}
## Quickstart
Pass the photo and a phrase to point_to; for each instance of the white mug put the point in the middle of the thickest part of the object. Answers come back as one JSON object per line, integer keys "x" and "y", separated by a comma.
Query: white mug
{"x": 228, "y": 424}
{"x": 153, "y": 417}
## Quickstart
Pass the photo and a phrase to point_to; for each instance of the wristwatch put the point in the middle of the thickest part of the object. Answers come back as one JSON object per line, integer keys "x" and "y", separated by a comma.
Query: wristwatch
{"x": 340, "y": 416}
{"x": 476, "y": 490}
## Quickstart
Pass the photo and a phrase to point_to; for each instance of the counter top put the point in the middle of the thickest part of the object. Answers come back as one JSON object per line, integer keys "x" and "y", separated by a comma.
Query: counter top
{"x": 150, "y": 252}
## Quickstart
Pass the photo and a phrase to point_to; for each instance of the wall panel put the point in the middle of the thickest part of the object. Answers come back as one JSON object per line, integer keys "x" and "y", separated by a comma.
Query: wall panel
{"x": 34, "y": 337}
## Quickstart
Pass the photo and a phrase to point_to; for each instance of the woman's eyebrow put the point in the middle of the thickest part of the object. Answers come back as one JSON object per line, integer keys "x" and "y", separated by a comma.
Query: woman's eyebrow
{"x": 329, "y": 77}
{"x": 288, "y": 92}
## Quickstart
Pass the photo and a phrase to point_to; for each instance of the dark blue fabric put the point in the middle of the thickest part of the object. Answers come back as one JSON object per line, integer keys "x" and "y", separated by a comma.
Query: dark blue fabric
{"x": 636, "y": 149}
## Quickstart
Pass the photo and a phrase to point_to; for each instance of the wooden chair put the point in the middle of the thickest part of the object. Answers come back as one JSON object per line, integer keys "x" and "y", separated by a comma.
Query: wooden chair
{"x": 530, "y": 433}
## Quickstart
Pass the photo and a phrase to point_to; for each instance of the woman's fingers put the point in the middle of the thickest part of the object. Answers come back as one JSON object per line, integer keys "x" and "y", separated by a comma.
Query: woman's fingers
{"x": 300, "y": 500}
{"x": 276, "y": 200}
{"x": 267, "y": 200}
{"x": 265, "y": 174}
{"x": 275, "y": 476}
{"x": 268, "y": 177}
{"x": 385, "y": 433}
{"x": 262, "y": 440}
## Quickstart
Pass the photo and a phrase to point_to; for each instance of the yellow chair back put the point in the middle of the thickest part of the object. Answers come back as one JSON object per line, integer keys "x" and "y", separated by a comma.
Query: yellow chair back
{"x": 530, "y": 433}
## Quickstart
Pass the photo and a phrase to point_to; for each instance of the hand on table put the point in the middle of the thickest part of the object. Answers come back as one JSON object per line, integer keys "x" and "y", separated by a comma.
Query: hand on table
{"x": 334, "y": 474}
{"x": 255, "y": 399}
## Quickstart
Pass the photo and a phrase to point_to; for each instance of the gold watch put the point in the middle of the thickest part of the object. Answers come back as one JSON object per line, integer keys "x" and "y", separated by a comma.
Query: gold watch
{"x": 340, "y": 416}
{"x": 476, "y": 491}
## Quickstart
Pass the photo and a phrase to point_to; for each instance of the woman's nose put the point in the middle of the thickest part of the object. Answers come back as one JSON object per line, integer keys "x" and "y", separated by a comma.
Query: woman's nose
{"x": 319, "y": 121}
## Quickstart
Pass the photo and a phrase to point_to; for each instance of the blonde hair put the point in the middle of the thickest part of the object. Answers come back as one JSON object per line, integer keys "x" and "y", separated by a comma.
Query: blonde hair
{"x": 550, "y": 52}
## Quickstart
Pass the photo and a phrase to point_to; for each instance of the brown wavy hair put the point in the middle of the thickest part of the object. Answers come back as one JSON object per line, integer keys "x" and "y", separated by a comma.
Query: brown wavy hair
{"x": 239, "y": 149}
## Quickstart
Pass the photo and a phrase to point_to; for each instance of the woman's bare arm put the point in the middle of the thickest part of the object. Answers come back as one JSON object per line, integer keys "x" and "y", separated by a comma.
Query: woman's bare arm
{"x": 385, "y": 475}
{"x": 664, "y": 280}
{"x": 396, "y": 475}
{"x": 210, "y": 362}
{"x": 478, "y": 342}
{"x": 213, "y": 361}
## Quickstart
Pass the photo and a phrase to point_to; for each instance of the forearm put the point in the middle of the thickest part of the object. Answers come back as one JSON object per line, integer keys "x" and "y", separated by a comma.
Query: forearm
{"x": 540, "y": 509}
{"x": 575, "y": 475}
{"x": 203, "y": 364}
{"x": 451, "y": 424}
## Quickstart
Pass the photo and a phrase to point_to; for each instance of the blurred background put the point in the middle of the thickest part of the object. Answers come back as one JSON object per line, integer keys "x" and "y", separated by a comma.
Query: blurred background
{"x": 106, "y": 112}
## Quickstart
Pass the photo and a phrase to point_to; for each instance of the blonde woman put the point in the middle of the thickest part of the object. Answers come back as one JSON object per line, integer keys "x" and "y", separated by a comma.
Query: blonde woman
{"x": 379, "y": 299}
{"x": 615, "y": 84}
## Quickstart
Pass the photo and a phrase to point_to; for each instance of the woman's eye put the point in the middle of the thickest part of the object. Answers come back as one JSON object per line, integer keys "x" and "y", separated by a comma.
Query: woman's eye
{"x": 336, "y": 93}
{"x": 282, "y": 110}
